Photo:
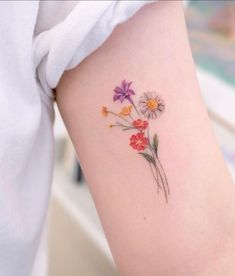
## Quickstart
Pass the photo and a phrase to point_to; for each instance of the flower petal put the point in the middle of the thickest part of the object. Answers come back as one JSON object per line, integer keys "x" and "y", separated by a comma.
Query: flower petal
{"x": 116, "y": 97}
{"x": 123, "y": 85}
{"x": 128, "y": 84}
{"x": 117, "y": 90}
{"x": 131, "y": 92}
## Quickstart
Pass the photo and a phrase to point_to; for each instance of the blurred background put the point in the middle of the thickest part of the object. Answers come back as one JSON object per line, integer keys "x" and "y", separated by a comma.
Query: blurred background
{"x": 73, "y": 234}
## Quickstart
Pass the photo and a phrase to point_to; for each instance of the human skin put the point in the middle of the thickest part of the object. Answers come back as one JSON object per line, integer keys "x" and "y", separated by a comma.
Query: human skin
{"x": 194, "y": 233}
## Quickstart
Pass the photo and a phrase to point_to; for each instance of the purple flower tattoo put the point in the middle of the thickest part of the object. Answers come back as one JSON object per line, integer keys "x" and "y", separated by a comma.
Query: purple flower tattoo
{"x": 123, "y": 92}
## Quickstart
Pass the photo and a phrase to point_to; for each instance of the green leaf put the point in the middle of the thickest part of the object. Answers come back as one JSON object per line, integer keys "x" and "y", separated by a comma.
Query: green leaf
{"x": 155, "y": 143}
{"x": 148, "y": 157}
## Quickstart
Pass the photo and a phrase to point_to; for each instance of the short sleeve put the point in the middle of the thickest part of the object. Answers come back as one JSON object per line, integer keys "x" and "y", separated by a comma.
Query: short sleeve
{"x": 67, "y": 32}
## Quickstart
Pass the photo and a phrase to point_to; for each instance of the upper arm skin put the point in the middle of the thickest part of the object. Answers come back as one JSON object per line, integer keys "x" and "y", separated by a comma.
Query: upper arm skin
{"x": 147, "y": 236}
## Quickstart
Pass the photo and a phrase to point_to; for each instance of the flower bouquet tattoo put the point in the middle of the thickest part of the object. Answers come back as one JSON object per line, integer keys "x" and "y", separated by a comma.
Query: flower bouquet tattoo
{"x": 131, "y": 117}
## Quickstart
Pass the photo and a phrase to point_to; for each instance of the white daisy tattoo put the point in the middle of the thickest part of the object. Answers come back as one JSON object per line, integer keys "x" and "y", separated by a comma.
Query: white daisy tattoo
{"x": 151, "y": 105}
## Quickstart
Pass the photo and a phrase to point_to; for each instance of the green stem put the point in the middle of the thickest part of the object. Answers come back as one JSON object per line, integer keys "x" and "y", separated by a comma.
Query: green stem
{"x": 163, "y": 184}
{"x": 136, "y": 109}
{"x": 115, "y": 114}
{"x": 126, "y": 127}
{"x": 131, "y": 117}
{"x": 164, "y": 174}
{"x": 156, "y": 167}
{"x": 156, "y": 178}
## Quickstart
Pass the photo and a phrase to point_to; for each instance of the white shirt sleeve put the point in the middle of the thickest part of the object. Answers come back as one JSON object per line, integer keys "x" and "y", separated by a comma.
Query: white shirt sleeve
{"x": 68, "y": 31}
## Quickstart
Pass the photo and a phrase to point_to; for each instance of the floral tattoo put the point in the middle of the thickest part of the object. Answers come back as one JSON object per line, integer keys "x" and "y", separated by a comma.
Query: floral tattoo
{"x": 131, "y": 117}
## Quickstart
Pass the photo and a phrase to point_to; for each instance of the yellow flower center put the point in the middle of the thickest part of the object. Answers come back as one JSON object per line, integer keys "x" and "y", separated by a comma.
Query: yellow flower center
{"x": 152, "y": 104}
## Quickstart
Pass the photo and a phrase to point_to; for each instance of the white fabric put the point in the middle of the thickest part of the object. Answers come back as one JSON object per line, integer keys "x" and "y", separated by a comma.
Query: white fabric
{"x": 39, "y": 41}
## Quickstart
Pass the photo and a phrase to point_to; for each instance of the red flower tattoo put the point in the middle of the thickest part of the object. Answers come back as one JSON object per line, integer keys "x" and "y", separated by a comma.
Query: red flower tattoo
{"x": 138, "y": 141}
{"x": 140, "y": 124}
{"x": 131, "y": 117}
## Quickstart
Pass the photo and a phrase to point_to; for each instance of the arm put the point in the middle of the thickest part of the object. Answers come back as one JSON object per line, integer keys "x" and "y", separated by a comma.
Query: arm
{"x": 192, "y": 234}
